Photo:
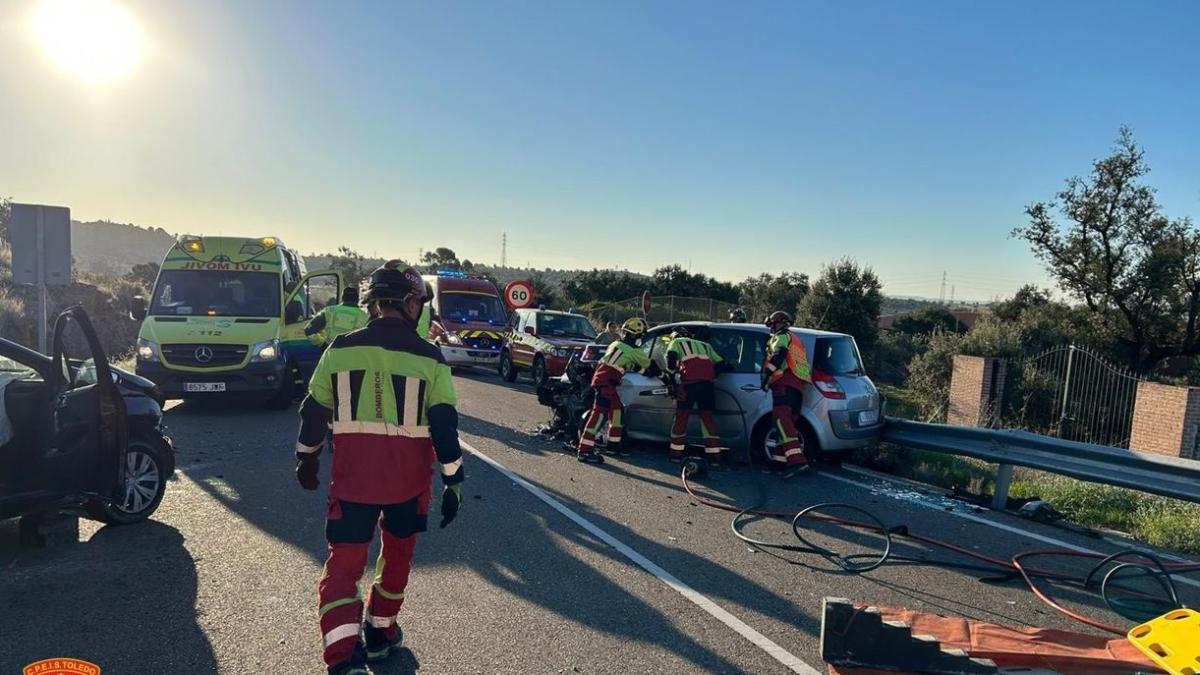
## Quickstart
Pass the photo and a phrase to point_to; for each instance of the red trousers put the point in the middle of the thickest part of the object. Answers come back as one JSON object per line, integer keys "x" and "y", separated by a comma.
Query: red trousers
{"x": 786, "y": 404}
{"x": 606, "y": 408}
{"x": 349, "y": 529}
{"x": 702, "y": 397}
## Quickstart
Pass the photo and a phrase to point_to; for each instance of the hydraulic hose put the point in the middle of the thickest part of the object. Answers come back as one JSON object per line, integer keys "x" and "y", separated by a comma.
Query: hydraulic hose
{"x": 1149, "y": 565}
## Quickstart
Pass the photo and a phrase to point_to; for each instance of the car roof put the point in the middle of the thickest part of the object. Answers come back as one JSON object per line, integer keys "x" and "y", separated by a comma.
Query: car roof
{"x": 550, "y": 311}
{"x": 756, "y": 327}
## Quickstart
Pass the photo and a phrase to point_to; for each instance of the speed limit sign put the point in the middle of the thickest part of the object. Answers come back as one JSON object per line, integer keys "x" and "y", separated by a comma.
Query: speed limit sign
{"x": 518, "y": 294}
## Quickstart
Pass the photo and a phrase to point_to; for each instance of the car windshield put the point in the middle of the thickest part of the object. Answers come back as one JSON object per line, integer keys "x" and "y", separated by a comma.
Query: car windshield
{"x": 837, "y": 356}
{"x": 470, "y": 307}
{"x": 565, "y": 325}
{"x": 216, "y": 293}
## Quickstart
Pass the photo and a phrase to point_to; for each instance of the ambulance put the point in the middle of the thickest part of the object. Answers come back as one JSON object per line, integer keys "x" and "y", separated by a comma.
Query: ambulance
{"x": 226, "y": 318}
{"x": 468, "y": 320}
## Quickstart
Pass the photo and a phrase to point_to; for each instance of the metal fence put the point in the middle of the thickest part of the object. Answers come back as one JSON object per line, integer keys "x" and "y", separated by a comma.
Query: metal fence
{"x": 1072, "y": 393}
{"x": 664, "y": 309}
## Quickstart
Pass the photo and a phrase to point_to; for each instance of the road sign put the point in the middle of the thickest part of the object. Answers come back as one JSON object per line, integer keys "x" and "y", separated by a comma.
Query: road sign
{"x": 518, "y": 294}
{"x": 646, "y": 303}
{"x": 41, "y": 252}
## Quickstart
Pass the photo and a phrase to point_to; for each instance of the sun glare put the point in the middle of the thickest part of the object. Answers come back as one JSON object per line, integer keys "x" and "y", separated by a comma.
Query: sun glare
{"x": 94, "y": 39}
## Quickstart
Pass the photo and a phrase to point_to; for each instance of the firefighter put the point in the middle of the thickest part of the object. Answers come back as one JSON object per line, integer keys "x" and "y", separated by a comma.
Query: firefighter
{"x": 390, "y": 401}
{"x": 784, "y": 373}
{"x": 426, "y": 310}
{"x": 622, "y": 356}
{"x": 737, "y": 315}
{"x": 335, "y": 320}
{"x": 692, "y": 367}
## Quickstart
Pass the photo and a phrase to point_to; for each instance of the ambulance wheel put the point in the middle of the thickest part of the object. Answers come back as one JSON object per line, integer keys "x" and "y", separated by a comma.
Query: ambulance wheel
{"x": 508, "y": 370}
{"x": 286, "y": 395}
{"x": 539, "y": 372}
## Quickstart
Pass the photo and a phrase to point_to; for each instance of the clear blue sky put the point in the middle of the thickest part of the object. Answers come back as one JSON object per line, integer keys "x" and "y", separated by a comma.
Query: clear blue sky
{"x": 741, "y": 137}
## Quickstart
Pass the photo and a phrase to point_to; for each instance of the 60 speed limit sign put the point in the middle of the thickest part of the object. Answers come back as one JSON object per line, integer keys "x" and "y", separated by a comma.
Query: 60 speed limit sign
{"x": 518, "y": 294}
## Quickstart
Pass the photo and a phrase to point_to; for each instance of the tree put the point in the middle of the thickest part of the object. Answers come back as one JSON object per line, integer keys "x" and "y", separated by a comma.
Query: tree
{"x": 351, "y": 264}
{"x": 143, "y": 273}
{"x": 5, "y": 217}
{"x": 674, "y": 280}
{"x": 928, "y": 320}
{"x": 1026, "y": 298}
{"x": 1131, "y": 266}
{"x": 845, "y": 299}
{"x": 603, "y": 286}
{"x": 544, "y": 293}
{"x": 440, "y": 258}
{"x": 766, "y": 293}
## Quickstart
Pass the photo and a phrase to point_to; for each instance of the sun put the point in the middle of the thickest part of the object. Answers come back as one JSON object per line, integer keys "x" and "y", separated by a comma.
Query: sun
{"x": 93, "y": 39}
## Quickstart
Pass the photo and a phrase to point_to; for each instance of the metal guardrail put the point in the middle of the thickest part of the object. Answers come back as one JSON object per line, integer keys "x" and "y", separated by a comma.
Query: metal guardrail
{"x": 1167, "y": 476}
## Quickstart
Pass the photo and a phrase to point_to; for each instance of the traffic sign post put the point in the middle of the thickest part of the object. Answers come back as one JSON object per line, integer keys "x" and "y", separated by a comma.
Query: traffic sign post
{"x": 518, "y": 294}
{"x": 646, "y": 305}
{"x": 41, "y": 253}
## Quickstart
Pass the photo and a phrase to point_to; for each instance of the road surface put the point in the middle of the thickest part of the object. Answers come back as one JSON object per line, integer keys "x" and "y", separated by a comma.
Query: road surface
{"x": 551, "y": 567}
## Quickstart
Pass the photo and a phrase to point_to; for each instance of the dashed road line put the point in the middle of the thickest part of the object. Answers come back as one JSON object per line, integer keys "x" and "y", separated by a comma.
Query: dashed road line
{"x": 789, "y": 660}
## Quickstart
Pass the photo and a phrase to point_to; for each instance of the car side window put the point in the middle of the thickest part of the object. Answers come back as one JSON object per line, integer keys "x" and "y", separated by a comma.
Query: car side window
{"x": 654, "y": 344}
{"x": 744, "y": 350}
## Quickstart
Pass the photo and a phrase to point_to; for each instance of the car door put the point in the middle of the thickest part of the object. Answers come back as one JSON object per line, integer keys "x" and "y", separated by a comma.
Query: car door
{"x": 314, "y": 292}
{"x": 740, "y": 398}
{"x": 648, "y": 407}
{"x": 523, "y": 339}
{"x": 24, "y": 427}
{"x": 89, "y": 431}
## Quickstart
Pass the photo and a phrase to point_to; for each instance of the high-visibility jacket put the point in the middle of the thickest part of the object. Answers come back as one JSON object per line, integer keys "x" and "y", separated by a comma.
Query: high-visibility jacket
{"x": 693, "y": 359}
{"x": 390, "y": 400}
{"x": 787, "y": 361}
{"x": 423, "y": 322}
{"x": 341, "y": 319}
{"x": 619, "y": 358}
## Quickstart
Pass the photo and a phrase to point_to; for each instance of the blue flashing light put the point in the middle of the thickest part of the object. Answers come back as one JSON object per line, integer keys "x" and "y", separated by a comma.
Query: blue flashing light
{"x": 452, "y": 274}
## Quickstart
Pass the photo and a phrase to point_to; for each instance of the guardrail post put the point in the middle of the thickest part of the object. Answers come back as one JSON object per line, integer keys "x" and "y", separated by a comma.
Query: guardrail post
{"x": 1004, "y": 474}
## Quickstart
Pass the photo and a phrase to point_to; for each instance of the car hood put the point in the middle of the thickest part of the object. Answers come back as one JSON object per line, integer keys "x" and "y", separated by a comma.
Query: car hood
{"x": 560, "y": 341}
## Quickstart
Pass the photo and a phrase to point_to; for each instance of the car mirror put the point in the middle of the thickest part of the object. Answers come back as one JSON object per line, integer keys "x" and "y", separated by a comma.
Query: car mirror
{"x": 137, "y": 308}
{"x": 530, "y": 331}
{"x": 294, "y": 312}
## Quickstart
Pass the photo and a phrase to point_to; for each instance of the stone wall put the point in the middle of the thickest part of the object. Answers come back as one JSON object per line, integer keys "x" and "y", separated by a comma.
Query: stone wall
{"x": 976, "y": 390}
{"x": 1165, "y": 420}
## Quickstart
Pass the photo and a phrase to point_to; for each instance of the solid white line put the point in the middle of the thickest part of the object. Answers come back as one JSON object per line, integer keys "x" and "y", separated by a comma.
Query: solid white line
{"x": 791, "y": 661}
{"x": 991, "y": 523}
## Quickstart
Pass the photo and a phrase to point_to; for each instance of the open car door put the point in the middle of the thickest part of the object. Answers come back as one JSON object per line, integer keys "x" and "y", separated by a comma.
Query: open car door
{"x": 89, "y": 434}
{"x": 315, "y": 291}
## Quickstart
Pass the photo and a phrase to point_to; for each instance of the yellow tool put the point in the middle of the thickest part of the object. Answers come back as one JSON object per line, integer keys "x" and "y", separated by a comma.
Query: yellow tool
{"x": 1172, "y": 641}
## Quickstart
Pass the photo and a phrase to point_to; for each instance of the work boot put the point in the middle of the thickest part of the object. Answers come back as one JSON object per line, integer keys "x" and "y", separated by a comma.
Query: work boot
{"x": 379, "y": 646}
{"x": 791, "y": 470}
{"x": 355, "y": 665}
{"x": 592, "y": 457}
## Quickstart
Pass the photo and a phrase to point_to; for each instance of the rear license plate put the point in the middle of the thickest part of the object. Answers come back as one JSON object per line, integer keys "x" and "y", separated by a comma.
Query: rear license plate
{"x": 868, "y": 417}
{"x": 204, "y": 386}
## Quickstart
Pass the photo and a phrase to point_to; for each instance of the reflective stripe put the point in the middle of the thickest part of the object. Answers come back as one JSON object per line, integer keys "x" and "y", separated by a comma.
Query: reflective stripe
{"x": 693, "y": 356}
{"x": 713, "y": 451}
{"x": 793, "y": 451}
{"x": 676, "y": 446}
{"x": 686, "y": 347}
{"x": 586, "y": 443}
{"x": 346, "y": 630}
{"x": 344, "y": 413}
{"x": 777, "y": 458}
{"x": 381, "y": 621}
{"x": 412, "y": 394}
{"x": 390, "y": 596}
{"x": 380, "y": 429}
{"x": 332, "y": 605}
{"x": 452, "y": 468}
{"x": 302, "y": 449}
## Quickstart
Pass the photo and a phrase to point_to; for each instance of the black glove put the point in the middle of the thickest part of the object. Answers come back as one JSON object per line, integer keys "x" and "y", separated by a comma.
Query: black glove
{"x": 306, "y": 473}
{"x": 451, "y": 499}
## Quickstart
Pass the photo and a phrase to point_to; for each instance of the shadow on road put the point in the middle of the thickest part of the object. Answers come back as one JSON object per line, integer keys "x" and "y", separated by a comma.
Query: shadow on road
{"x": 137, "y": 587}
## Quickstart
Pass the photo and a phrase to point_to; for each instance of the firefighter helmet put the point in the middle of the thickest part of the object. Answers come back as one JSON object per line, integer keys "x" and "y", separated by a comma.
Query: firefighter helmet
{"x": 392, "y": 283}
{"x": 778, "y": 321}
{"x": 634, "y": 327}
{"x": 737, "y": 315}
{"x": 681, "y": 331}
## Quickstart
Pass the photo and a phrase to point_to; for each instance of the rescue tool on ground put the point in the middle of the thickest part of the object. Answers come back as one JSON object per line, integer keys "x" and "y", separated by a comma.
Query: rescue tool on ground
{"x": 387, "y": 394}
{"x": 621, "y": 356}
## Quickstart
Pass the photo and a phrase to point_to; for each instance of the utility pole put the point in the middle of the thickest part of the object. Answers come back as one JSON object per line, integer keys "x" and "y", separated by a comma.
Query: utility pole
{"x": 504, "y": 249}
{"x": 942, "y": 294}
{"x": 952, "y": 294}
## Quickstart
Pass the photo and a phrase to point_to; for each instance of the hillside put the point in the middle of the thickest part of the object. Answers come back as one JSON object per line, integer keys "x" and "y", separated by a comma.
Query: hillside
{"x": 113, "y": 248}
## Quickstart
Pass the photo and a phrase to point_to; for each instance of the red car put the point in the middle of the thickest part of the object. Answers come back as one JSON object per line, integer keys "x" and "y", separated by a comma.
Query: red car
{"x": 542, "y": 341}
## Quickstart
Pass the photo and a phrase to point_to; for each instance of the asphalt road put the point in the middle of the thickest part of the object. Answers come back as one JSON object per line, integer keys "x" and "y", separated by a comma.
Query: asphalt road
{"x": 536, "y": 576}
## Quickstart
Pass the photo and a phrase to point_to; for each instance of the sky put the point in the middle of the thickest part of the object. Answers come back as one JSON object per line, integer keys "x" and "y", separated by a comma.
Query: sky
{"x": 731, "y": 138}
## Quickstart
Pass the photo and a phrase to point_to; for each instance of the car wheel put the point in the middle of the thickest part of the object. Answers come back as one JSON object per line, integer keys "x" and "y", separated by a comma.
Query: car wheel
{"x": 766, "y": 436}
{"x": 539, "y": 372}
{"x": 508, "y": 370}
{"x": 286, "y": 395}
{"x": 146, "y": 474}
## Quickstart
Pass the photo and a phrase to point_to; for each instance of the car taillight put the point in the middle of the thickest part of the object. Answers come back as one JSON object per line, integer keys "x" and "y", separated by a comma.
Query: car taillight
{"x": 827, "y": 385}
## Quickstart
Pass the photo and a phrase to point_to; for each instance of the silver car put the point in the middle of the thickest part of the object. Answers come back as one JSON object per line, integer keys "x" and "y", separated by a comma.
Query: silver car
{"x": 842, "y": 407}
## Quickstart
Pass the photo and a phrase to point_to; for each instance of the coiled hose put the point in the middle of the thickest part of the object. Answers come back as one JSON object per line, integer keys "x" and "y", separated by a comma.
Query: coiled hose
{"x": 1126, "y": 564}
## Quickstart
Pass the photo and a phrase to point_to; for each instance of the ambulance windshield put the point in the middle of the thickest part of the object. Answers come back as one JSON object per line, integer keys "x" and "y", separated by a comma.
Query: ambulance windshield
{"x": 216, "y": 293}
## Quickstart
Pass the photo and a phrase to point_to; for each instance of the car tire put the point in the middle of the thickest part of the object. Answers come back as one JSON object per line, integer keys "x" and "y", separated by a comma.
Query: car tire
{"x": 147, "y": 468}
{"x": 508, "y": 369}
{"x": 286, "y": 395}
{"x": 760, "y": 448}
{"x": 539, "y": 372}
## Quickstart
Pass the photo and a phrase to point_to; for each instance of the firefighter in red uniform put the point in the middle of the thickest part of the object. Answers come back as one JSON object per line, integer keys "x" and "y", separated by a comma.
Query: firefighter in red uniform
{"x": 621, "y": 356}
{"x": 388, "y": 396}
{"x": 692, "y": 367}
{"x": 785, "y": 372}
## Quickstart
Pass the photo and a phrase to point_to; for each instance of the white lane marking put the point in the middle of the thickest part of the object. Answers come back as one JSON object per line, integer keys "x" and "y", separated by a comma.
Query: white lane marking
{"x": 791, "y": 661}
{"x": 990, "y": 523}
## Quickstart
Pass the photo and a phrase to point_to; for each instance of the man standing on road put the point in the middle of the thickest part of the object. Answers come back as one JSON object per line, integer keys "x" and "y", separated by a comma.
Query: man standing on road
{"x": 692, "y": 365}
{"x": 621, "y": 356}
{"x": 610, "y": 334}
{"x": 335, "y": 320}
{"x": 784, "y": 373}
{"x": 389, "y": 398}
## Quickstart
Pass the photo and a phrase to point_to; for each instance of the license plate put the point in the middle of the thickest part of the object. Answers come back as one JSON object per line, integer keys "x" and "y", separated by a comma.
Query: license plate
{"x": 868, "y": 417}
{"x": 204, "y": 386}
